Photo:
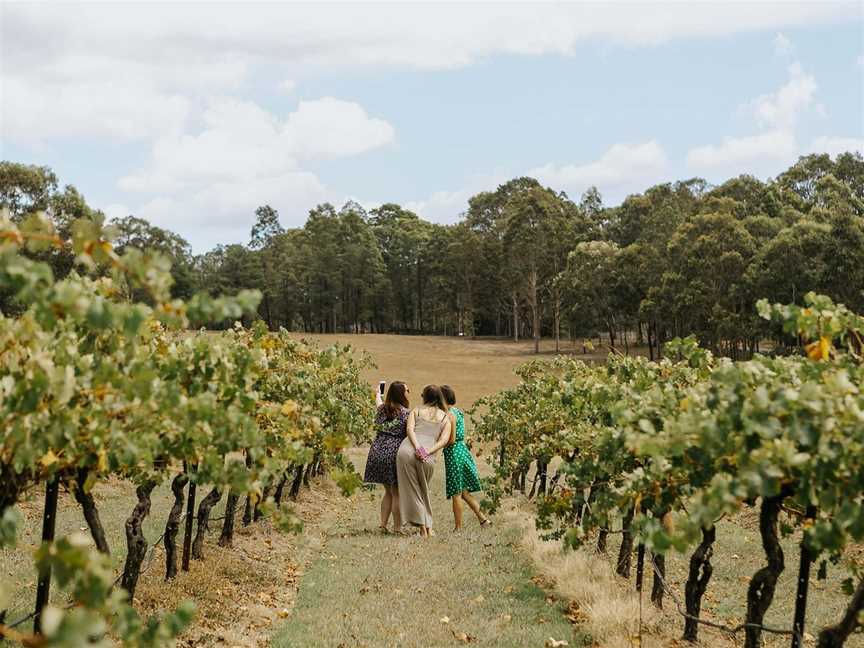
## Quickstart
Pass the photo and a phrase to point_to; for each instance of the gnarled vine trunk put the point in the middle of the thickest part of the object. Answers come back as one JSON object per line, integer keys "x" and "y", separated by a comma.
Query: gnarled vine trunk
{"x": 226, "y": 539}
{"x": 248, "y": 511}
{"x": 172, "y": 527}
{"x": 697, "y": 582}
{"x": 307, "y": 475}
{"x": 835, "y": 636}
{"x": 625, "y": 553}
{"x": 280, "y": 489}
{"x": 542, "y": 470}
{"x": 204, "y": 509}
{"x": 295, "y": 485}
{"x": 657, "y": 589}
{"x": 760, "y": 593}
{"x": 258, "y": 513}
{"x": 602, "y": 538}
{"x": 136, "y": 543}
{"x": 90, "y": 511}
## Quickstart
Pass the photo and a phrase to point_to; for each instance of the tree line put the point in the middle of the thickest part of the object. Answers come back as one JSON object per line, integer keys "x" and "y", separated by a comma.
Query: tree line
{"x": 527, "y": 261}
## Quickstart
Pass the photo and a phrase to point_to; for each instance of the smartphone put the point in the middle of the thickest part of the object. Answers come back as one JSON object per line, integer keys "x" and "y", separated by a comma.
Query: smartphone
{"x": 381, "y": 387}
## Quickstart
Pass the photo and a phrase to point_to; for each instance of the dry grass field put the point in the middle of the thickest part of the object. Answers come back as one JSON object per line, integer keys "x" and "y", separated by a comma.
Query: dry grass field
{"x": 474, "y": 368}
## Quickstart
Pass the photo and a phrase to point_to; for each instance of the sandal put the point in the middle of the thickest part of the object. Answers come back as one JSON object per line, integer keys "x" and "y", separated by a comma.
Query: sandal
{"x": 383, "y": 530}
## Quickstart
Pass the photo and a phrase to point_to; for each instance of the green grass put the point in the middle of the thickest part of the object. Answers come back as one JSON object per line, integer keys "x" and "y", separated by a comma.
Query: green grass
{"x": 367, "y": 589}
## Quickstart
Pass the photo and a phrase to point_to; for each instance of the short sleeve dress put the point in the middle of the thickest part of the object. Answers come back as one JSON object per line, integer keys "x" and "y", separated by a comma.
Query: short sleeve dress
{"x": 381, "y": 462}
{"x": 461, "y": 470}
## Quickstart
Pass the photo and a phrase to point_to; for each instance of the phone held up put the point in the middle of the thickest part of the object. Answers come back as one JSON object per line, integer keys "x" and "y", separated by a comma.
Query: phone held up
{"x": 381, "y": 387}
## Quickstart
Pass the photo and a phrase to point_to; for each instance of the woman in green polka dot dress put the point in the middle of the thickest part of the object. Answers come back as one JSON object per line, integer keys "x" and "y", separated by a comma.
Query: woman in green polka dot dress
{"x": 462, "y": 477}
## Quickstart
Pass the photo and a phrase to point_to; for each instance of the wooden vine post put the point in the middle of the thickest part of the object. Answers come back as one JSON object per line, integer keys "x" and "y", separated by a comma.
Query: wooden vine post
{"x": 803, "y": 586}
{"x": 49, "y": 524}
{"x": 187, "y": 534}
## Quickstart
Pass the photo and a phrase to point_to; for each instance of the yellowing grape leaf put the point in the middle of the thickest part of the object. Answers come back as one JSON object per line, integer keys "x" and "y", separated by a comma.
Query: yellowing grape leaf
{"x": 49, "y": 459}
{"x": 820, "y": 349}
{"x": 102, "y": 464}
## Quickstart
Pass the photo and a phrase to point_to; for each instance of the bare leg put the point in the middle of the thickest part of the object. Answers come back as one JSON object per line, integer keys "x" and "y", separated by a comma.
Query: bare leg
{"x": 386, "y": 505}
{"x": 457, "y": 512}
{"x": 472, "y": 504}
{"x": 394, "y": 508}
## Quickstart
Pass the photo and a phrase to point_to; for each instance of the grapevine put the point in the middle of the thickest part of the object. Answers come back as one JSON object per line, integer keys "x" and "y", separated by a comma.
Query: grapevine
{"x": 664, "y": 449}
{"x": 95, "y": 384}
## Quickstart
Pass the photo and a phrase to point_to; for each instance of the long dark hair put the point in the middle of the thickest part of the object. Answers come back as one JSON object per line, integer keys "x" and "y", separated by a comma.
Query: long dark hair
{"x": 432, "y": 396}
{"x": 449, "y": 394}
{"x": 396, "y": 399}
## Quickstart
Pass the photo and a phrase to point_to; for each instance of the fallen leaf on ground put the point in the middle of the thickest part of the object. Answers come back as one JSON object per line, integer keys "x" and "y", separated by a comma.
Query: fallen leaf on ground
{"x": 574, "y": 614}
{"x": 445, "y": 619}
{"x": 555, "y": 643}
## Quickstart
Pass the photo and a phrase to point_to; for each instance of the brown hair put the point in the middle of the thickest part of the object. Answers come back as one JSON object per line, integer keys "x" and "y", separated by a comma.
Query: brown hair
{"x": 449, "y": 394}
{"x": 432, "y": 396}
{"x": 397, "y": 398}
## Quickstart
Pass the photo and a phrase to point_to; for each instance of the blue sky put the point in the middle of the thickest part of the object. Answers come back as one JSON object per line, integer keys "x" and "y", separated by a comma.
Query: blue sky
{"x": 192, "y": 116}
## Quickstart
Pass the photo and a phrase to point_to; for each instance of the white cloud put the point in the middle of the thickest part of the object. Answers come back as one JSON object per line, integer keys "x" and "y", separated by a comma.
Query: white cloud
{"x": 778, "y": 114}
{"x": 242, "y": 141}
{"x": 84, "y": 93}
{"x": 116, "y": 210}
{"x": 419, "y": 35}
{"x": 836, "y": 145}
{"x": 782, "y": 44}
{"x": 744, "y": 152}
{"x": 34, "y": 113}
{"x": 123, "y": 71}
{"x": 622, "y": 168}
{"x": 442, "y": 206}
{"x": 223, "y": 212}
{"x": 782, "y": 108}
{"x": 208, "y": 184}
{"x": 288, "y": 86}
{"x": 330, "y": 128}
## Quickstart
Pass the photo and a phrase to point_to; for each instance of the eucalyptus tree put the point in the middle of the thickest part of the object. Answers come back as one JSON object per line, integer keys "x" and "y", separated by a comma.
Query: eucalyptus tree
{"x": 26, "y": 188}
{"x": 134, "y": 232}
{"x": 265, "y": 230}
{"x": 488, "y": 215}
{"x": 401, "y": 235}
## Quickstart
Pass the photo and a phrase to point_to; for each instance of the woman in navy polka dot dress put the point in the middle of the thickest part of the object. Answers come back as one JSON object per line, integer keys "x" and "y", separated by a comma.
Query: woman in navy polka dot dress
{"x": 462, "y": 478}
{"x": 381, "y": 463}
